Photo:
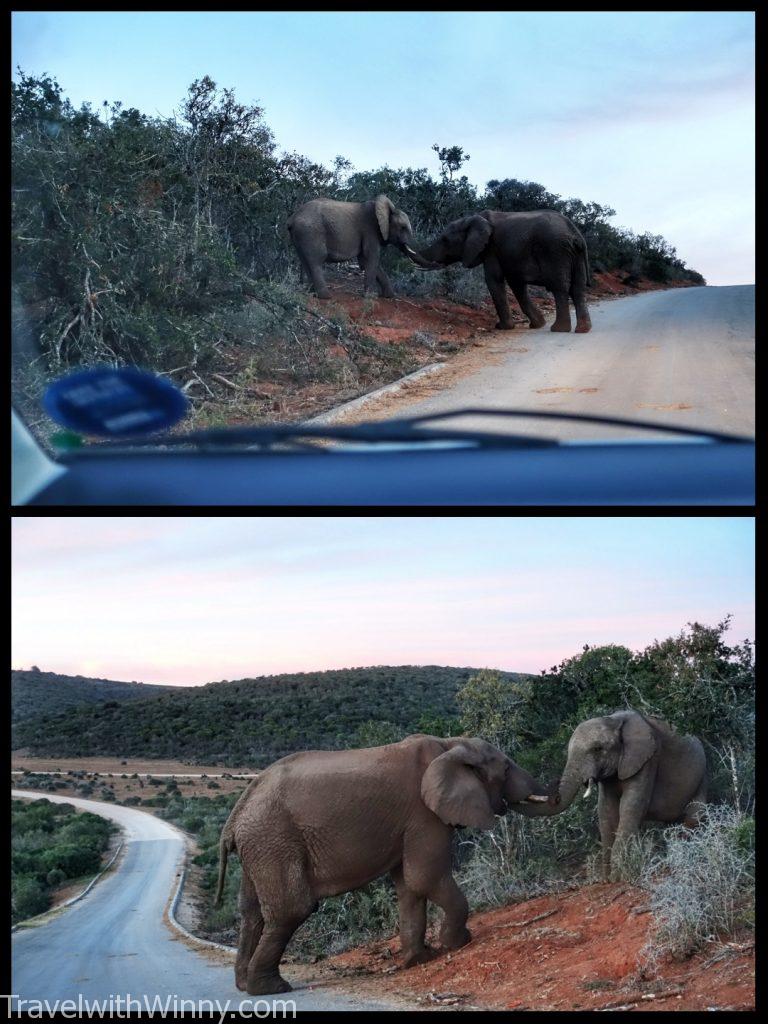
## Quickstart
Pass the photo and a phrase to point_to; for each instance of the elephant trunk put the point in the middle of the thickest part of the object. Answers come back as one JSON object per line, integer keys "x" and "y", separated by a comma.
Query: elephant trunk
{"x": 542, "y": 804}
{"x": 571, "y": 783}
{"x": 420, "y": 261}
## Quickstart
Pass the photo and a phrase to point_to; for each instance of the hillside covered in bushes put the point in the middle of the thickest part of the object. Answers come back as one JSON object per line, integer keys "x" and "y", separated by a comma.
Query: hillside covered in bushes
{"x": 254, "y": 721}
{"x": 35, "y": 693}
{"x": 162, "y": 242}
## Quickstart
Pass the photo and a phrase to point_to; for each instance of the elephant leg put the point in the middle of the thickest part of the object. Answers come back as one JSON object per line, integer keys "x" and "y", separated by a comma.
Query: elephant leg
{"x": 583, "y": 320}
{"x": 413, "y": 922}
{"x": 385, "y": 285}
{"x": 695, "y": 806}
{"x": 369, "y": 263}
{"x": 263, "y": 974}
{"x": 632, "y": 810}
{"x": 290, "y": 903}
{"x": 608, "y": 816}
{"x": 304, "y": 274}
{"x": 497, "y": 286}
{"x": 562, "y": 310}
{"x": 526, "y": 304}
{"x": 449, "y": 897}
{"x": 578, "y": 294}
{"x": 251, "y": 927}
{"x": 319, "y": 283}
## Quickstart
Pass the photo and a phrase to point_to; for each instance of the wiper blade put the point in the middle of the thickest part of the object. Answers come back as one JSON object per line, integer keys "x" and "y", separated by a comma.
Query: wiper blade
{"x": 406, "y": 430}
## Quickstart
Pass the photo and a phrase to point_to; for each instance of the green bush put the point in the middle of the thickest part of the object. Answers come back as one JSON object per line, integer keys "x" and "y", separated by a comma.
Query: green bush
{"x": 55, "y": 877}
{"x": 49, "y": 844}
{"x": 28, "y": 897}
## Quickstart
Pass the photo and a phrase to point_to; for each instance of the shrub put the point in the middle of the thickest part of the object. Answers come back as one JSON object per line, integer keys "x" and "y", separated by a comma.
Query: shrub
{"x": 28, "y": 897}
{"x": 55, "y": 877}
{"x": 348, "y": 920}
{"x": 702, "y": 884}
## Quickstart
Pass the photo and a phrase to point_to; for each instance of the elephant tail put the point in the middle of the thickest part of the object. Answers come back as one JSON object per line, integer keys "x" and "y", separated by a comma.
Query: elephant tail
{"x": 582, "y": 256}
{"x": 587, "y": 271}
{"x": 581, "y": 253}
{"x": 226, "y": 846}
{"x": 227, "y": 841}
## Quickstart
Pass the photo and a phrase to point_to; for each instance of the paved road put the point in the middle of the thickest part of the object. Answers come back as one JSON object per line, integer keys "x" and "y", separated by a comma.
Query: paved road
{"x": 114, "y": 941}
{"x": 683, "y": 357}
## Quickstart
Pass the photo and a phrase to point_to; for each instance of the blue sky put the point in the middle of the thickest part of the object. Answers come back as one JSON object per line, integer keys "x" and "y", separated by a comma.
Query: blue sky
{"x": 195, "y": 599}
{"x": 650, "y": 113}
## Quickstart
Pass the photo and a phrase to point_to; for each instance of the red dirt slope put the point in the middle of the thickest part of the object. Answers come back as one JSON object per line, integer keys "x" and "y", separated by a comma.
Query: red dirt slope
{"x": 395, "y": 321}
{"x": 574, "y": 950}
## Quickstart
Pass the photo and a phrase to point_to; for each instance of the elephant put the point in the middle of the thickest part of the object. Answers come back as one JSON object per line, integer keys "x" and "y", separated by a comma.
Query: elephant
{"x": 541, "y": 248}
{"x": 644, "y": 770}
{"x": 320, "y": 823}
{"x": 329, "y": 231}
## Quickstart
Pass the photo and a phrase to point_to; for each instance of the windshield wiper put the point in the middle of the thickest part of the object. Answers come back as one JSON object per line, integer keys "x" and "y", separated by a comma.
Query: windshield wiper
{"x": 406, "y": 430}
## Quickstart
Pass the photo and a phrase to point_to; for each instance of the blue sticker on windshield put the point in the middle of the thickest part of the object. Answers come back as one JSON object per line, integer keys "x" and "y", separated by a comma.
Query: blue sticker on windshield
{"x": 109, "y": 402}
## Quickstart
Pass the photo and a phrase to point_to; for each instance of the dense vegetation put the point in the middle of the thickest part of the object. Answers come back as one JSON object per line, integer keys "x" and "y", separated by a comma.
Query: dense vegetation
{"x": 162, "y": 241}
{"x": 50, "y": 844}
{"x": 35, "y": 693}
{"x": 254, "y": 721}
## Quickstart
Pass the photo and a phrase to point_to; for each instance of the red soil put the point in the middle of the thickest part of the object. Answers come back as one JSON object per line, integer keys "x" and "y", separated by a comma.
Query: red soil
{"x": 395, "y": 321}
{"x": 575, "y": 950}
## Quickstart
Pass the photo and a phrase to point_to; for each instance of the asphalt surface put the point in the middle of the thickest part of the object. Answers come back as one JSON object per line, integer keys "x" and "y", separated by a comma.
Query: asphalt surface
{"x": 683, "y": 357}
{"x": 114, "y": 941}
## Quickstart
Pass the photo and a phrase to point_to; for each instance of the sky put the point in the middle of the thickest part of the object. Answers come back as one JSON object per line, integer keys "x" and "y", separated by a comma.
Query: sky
{"x": 192, "y": 600}
{"x": 651, "y": 113}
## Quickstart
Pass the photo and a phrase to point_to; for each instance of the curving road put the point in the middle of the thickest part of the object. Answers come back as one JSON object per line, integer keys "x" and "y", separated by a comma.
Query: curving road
{"x": 115, "y": 942}
{"x": 683, "y": 357}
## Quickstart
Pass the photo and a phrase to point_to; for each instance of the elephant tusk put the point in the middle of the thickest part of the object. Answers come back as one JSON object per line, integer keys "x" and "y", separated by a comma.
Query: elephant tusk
{"x": 535, "y": 799}
{"x": 419, "y": 261}
{"x": 589, "y": 788}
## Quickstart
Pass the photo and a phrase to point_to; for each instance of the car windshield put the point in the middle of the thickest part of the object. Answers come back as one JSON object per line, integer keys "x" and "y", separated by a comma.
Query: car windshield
{"x": 348, "y": 218}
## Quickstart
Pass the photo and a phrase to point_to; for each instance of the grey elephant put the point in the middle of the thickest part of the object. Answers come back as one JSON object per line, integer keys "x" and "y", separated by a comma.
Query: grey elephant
{"x": 329, "y": 231}
{"x": 644, "y": 770}
{"x": 320, "y": 823}
{"x": 519, "y": 249}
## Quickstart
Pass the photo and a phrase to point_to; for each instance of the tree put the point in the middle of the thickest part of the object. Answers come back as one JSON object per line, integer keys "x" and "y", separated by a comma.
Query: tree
{"x": 700, "y": 683}
{"x": 452, "y": 159}
{"x": 378, "y": 734}
{"x": 489, "y": 703}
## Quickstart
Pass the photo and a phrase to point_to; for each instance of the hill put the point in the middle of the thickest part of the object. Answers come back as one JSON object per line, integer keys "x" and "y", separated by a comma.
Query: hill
{"x": 35, "y": 694}
{"x": 255, "y": 721}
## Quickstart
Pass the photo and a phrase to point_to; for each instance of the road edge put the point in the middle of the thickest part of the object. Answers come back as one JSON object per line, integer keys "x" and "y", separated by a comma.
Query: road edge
{"x": 174, "y": 922}
{"x": 331, "y": 415}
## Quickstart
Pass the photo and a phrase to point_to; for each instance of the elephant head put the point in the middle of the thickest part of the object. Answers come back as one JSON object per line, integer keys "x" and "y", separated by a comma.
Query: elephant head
{"x": 394, "y": 225}
{"x": 473, "y": 782}
{"x": 610, "y": 747}
{"x": 465, "y": 239}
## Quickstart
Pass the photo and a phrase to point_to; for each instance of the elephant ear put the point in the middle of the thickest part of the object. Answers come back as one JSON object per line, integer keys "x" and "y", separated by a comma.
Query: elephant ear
{"x": 476, "y": 239}
{"x": 638, "y": 745}
{"x": 384, "y": 207}
{"x": 452, "y": 790}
